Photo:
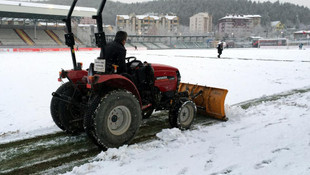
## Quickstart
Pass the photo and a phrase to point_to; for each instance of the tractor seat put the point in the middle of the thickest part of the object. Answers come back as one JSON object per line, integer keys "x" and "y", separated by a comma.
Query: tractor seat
{"x": 135, "y": 64}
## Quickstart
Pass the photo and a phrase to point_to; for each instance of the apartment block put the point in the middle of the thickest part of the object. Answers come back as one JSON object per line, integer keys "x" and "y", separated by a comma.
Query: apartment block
{"x": 149, "y": 24}
{"x": 200, "y": 23}
{"x": 238, "y": 25}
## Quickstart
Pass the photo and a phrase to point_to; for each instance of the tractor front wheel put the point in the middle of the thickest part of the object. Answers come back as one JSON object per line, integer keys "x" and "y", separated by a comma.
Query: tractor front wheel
{"x": 182, "y": 114}
{"x": 117, "y": 119}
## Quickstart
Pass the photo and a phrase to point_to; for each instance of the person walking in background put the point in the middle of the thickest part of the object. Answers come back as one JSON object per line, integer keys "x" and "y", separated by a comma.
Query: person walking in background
{"x": 220, "y": 49}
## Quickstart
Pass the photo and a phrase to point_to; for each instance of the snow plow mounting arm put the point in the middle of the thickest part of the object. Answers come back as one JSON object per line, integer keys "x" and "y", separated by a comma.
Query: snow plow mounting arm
{"x": 209, "y": 100}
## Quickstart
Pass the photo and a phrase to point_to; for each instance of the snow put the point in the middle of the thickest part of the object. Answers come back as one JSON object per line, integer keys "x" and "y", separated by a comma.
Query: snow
{"x": 272, "y": 137}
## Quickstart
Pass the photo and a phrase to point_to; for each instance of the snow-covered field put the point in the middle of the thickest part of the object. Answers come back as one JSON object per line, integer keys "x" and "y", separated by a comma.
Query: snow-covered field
{"x": 268, "y": 138}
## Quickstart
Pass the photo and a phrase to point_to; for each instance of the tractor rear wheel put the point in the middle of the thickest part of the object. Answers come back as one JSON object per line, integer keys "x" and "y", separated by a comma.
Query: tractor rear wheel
{"x": 117, "y": 119}
{"x": 88, "y": 122}
{"x": 65, "y": 114}
{"x": 55, "y": 108}
{"x": 182, "y": 114}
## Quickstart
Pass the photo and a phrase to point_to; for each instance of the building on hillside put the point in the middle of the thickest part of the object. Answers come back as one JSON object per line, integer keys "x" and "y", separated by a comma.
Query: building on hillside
{"x": 240, "y": 26}
{"x": 277, "y": 26}
{"x": 149, "y": 24}
{"x": 302, "y": 35}
{"x": 200, "y": 23}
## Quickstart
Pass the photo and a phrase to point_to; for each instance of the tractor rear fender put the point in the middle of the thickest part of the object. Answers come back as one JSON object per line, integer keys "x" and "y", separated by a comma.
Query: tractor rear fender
{"x": 117, "y": 81}
{"x": 74, "y": 75}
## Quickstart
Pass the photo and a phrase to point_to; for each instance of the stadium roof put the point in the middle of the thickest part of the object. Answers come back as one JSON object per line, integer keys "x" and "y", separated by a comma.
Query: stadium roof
{"x": 15, "y": 9}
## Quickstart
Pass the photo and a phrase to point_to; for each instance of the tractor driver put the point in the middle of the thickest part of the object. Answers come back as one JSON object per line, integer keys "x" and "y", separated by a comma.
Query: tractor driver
{"x": 116, "y": 53}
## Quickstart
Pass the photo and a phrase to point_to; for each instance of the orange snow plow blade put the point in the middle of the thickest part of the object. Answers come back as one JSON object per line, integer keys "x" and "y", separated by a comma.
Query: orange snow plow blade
{"x": 209, "y": 100}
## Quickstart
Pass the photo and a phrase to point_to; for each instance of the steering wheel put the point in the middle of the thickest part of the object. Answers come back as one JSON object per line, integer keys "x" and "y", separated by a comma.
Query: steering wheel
{"x": 129, "y": 58}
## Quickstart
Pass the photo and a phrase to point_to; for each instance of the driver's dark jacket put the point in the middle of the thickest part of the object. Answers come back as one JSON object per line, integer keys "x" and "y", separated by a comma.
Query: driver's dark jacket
{"x": 115, "y": 53}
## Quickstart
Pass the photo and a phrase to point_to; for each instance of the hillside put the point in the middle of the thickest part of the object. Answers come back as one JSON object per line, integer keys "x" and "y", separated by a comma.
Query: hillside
{"x": 289, "y": 14}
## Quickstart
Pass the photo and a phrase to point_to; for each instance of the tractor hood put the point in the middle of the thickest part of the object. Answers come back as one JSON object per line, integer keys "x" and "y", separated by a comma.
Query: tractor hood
{"x": 166, "y": 77}
{"x": 162, "y": 67}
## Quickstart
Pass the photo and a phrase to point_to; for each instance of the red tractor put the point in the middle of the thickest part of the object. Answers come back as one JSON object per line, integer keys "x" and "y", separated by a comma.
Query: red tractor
{"x": 110, "y": 107}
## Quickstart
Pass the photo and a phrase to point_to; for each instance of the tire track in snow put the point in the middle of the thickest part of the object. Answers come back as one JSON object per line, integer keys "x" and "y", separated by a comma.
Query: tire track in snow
{"x": 254, "y": 102}
{"x": 60, "y": 152}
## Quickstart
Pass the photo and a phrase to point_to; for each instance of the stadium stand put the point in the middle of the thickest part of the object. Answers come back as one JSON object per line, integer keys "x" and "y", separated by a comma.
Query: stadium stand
{"x": 190, "y": 45}
{"x": 24, "y": 36}
{"x": 54, "y": 36}
{"x": 151, "y": 46}
{"x": 179, "y": 45}
{"x": 161, "y": 45}
{"x": 77, "y": 40}
{"x": 41, "y": 37}
{"x": 129, "y": 45}
{"x": 10, "y": 38}
{"x": 202, "y": 45}
{"x": 21, "y": 23}
{"x": 60, "y": 33}
{"x": 139, "y": 45}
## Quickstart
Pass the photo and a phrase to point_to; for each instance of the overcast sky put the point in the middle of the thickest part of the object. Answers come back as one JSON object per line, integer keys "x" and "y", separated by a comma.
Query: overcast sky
{"x": 299, "y": 2}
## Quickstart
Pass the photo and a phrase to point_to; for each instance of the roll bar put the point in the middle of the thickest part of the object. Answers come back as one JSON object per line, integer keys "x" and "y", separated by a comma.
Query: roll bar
{"x": 69, "y": 36}
{"x": 100, "y": 36}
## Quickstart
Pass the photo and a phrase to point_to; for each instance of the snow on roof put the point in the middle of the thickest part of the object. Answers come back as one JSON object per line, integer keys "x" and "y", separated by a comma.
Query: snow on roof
{"x": 123, "y": 16}
{"x": 18, "y": 19}
{"x": 255, "y": 37}
{"x": 201, "y": 14}
{"x": 274, "y": 23}
{"x": 85, "y": 25}
{"x": 155, "y": 17}
{"x": 170, "y": 17}
{"x": 302, "y": 32}
{"x": 235, "y": 17}
{"x": 240, "y": 17}
{"x": 141, "y": 16}
{"x": 252, "y": 16}
{"x": 147, "y": 16}
{"x": 7, "y": 19}
{"x": 95, "y": 25}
